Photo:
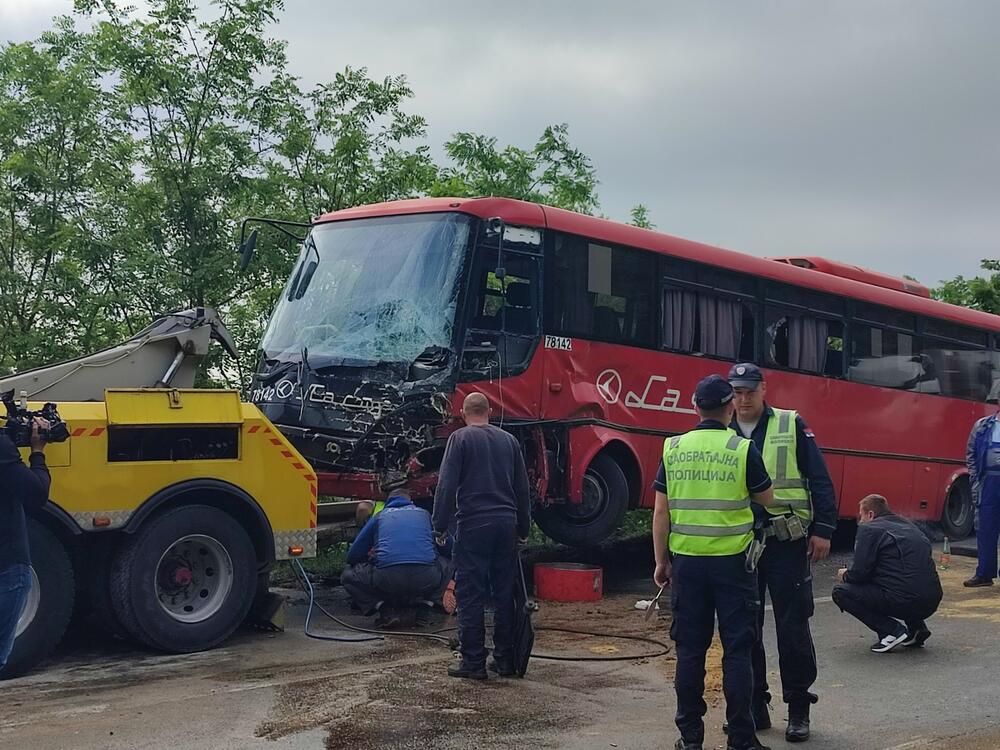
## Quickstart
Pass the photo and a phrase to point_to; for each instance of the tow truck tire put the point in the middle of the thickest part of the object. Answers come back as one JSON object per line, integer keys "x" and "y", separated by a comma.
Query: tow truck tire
{"x": 959, "y": 515}
{"x": 600, "y": 514}
{"x": 47, "y": 614}
{"x": 185, "y": 581}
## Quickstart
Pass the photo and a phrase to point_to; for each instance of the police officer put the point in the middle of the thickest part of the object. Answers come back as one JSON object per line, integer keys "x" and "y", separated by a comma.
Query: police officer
{"x": 707, "y": 480}
{"x": 802, "y": 488}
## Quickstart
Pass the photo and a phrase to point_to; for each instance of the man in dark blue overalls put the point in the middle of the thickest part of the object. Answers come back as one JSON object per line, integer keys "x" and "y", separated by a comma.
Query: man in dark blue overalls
{"x": 804, "y": 500}
{"x": 707, "y": 481}
{"x": 982, "y": 456}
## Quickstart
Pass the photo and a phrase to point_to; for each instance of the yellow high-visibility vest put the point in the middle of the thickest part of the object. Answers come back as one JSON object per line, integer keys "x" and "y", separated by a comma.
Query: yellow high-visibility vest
{"x": 780, "y": 443}
{"x": 706, "y": 472}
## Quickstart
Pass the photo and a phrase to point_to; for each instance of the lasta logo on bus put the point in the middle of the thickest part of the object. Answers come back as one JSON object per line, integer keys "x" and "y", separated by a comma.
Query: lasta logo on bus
{"x": 609, "y": 385}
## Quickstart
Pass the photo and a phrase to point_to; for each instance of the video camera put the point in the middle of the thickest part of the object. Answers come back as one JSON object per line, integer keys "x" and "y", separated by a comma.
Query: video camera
{"x": 20, "y": 421}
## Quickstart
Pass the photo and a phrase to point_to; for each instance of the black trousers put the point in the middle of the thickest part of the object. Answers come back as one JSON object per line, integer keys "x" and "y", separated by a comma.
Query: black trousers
{"x": 784, "y": 571}
{"x": 485, "y": 562}
{"x": 706, "y": 588}
{"x": 397, "y": 584}
{"x": 880, "y": 612}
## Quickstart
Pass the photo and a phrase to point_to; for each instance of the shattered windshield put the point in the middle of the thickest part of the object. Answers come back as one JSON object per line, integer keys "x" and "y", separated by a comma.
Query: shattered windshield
{"x": 379, "y": 290}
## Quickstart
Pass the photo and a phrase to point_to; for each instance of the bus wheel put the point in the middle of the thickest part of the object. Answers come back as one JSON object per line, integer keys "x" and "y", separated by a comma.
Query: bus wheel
{"x": 605, "y": 500}
{"x": 49, "y": 606}
{"x": 959, "y": 515}
{"x": 185, "y": 581}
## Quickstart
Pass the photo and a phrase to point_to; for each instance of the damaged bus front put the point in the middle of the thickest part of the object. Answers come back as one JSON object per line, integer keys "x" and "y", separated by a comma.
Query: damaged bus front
{"x": 370, "y": 338}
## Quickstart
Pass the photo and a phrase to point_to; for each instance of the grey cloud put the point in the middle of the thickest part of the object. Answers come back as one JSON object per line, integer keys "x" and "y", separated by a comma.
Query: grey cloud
{"x": 861, "y": 131}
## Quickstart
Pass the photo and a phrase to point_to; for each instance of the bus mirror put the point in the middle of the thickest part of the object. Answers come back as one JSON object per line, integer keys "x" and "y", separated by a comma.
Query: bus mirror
{"x": 494, "y": 226}
{"x": 501, "y": 274}
{"x": 246, "y": 250}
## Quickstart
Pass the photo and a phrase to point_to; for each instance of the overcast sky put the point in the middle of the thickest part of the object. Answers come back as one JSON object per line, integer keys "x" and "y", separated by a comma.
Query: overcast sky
{"x": 863, "y": 131}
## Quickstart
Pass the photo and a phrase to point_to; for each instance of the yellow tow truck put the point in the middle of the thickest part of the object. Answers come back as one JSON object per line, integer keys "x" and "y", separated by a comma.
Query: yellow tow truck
{"x": 169, "y": 505}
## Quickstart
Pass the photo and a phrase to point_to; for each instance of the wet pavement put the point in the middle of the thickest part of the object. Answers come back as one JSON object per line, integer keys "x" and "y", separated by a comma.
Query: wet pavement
{"x": 287, "y": 691}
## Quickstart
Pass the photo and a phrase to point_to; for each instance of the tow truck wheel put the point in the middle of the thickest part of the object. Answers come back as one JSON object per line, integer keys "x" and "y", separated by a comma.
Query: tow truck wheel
{"x": 185, "y": 581}
{"x": 47, "y": 611}
{"x": 605, "y": 500}
{"x": 959, "y": 514}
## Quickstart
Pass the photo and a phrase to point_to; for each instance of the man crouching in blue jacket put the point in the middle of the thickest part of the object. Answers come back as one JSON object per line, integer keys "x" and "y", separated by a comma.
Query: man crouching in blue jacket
{"x": 393, "y": 564}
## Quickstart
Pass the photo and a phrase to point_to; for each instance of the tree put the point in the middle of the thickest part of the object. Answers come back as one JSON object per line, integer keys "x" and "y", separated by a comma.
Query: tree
{"x": 217, "y": 129}
{"x": 640, "y": 217}
{"x": 132, "y": 144}
{"x": 979, "y": 293}
{"x": 62, "y": 155}
{"x": 552, "y": 172}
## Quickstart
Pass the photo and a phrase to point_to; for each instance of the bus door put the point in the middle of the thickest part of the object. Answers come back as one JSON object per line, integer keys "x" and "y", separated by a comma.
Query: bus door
{"x": 503, "y": 323}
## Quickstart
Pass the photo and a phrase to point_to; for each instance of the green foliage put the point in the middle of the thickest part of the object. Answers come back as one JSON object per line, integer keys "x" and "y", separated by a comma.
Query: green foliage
{"x": 979, "y": 293}
{"x": 640, "y": 217}
{"x": 329, "y": 563}
{"x": 552, "y": 172}
{"x": 133, "y": 141}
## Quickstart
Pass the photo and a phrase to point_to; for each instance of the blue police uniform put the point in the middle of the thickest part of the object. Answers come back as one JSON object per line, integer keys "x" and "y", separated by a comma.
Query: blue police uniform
{"x": 785, "y": 571}
{"x": 708, "y": 587}
{"x": 983, "y": 461}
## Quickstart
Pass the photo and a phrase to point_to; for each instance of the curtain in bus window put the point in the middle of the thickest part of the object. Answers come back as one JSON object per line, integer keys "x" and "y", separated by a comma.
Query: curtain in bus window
{"x": 679, "y": 310}
{"x": 721, "y": 326}
{"x": 807, "y": 343}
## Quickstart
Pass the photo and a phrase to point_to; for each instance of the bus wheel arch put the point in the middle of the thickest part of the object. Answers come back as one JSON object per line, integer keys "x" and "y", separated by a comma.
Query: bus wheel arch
{"x": 606, "y": 498}
{"x": 958, "y": 514}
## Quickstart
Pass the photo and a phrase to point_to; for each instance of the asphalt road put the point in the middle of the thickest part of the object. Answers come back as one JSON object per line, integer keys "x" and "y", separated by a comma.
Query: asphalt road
{"x": 287, "y": 691}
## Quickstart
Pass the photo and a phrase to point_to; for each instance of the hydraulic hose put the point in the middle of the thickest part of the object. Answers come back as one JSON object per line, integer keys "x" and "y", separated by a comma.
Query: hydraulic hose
{"x": 437, "y": 635}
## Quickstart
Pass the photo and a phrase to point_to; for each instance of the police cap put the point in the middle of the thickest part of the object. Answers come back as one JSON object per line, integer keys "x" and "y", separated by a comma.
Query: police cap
{"x": 745, "y": 375}
{"x": 712, "y": 392}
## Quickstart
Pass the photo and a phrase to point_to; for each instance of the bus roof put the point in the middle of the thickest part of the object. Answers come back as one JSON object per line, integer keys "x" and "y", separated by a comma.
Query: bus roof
{"x": 522, "y": 213}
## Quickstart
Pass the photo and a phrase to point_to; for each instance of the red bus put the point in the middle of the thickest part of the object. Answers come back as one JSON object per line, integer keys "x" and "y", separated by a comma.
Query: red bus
{"x": 588, "y": 337}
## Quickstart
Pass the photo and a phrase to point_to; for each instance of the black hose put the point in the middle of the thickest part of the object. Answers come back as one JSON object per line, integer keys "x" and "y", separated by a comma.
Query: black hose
{"x": 378, "y": 635}
{"x": 374, "y": 635}
{"x": 312, "y": 602}
{"x": 664, "y": 648}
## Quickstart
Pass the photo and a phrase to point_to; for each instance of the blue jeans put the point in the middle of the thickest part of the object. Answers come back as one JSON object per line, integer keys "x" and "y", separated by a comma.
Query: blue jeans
{"x": 15, "y": 583}
{"x": 988, "y": 533}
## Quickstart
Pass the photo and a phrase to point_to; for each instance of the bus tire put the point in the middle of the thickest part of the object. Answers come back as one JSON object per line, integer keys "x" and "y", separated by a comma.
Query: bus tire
{"x": 605, "y": 501}
{"x": 958, "y": 515}
{"x": 185, "y": 580}
{"x": 48, "y": 611}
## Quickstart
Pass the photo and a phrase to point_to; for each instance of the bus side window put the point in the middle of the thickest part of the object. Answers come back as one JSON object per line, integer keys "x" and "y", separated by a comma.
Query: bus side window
{"x": 706, "y": 323}
{"x": 963, "y": 371}
{"x": 892, "y": 359}
{"x": 804, "y": 342}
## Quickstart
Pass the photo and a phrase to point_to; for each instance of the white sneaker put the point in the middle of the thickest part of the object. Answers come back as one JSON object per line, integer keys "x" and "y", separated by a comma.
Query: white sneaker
{"x": 888, "y": 643}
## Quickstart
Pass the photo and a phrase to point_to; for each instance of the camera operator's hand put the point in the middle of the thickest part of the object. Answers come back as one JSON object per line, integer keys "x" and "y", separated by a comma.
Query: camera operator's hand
{"x": 37, "y": 439}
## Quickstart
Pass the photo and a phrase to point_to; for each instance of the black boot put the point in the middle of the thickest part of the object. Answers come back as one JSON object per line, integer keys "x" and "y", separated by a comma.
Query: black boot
{"x": 503, "y": 667}
{"x": 469, "y": 672}
{"x": 798, "y": 725}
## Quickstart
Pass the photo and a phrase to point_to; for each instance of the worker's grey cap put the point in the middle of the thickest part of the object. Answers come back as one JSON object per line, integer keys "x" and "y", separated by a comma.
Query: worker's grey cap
{"x": 745, "y": 375}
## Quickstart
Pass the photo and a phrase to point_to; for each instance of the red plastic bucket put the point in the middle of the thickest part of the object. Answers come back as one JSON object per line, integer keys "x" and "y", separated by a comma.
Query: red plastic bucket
{"x": 569, "y": 582}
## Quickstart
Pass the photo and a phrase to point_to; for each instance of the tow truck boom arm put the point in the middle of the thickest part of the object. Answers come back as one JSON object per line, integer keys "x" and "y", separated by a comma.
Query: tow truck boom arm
{"x": 164, "y": 354}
